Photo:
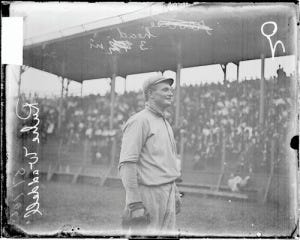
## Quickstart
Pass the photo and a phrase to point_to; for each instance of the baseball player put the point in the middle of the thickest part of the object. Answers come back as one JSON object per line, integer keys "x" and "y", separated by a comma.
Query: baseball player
{"x": 149, "y": 164}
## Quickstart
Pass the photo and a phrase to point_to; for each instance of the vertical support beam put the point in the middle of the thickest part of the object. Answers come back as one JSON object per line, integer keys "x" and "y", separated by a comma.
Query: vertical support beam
{"x": 61, "y": 96}
{"x": 67, "y": 87}
{"x": 177, "y": 113}
{"x": 238, "y": 72}
{"x": 262, "y": 92}
{"x": 223, "y": 160}
{"x": 178, "y": 71}
{"x": 113, "y": 67}
{"x": 58, "y": 163}
{"x": 224, "y": 69}
{"x": 125, "y": 84}
{"x": 19, "y": 82}
{"x": 60, "y": 104}
{"x": 271, "y": 172}
{"x": 22, "y": 70}
{"x": 81, "y": 94}
{"x": 112, "y": 101}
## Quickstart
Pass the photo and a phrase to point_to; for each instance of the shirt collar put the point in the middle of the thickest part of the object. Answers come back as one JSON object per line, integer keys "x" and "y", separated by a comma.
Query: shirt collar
{"x": 154, "y": 109}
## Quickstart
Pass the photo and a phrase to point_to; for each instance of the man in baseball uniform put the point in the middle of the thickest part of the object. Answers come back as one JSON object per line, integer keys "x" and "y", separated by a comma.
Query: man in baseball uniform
{"x": 149, "y": 163}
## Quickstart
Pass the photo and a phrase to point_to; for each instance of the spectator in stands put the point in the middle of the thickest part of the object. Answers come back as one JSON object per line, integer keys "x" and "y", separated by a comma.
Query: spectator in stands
{"x": 207, "y": 110}
{"x": 281, "y": 75}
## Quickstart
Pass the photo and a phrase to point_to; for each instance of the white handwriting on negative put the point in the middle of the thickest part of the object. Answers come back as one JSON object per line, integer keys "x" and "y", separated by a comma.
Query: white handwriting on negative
{"x": 33, "y": 208}
{"x": 31, "y": 156}
{"x": 268, "y": 36}
{"x": 34, "y": 110}
{"x": 142, "y": 46}
{"x": 173, "y": 24}
{"x": 116, "y": 45}
{"x": 94, "y": 44}
{"x": 145, "y": 35}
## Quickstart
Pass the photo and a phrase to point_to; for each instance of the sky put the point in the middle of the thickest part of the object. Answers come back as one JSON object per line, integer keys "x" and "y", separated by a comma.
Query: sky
{"x": 42, "y": 19}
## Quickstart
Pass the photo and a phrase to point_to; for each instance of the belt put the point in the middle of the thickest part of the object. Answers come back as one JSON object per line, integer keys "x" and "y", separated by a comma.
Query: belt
{"x": 157, "y": 185}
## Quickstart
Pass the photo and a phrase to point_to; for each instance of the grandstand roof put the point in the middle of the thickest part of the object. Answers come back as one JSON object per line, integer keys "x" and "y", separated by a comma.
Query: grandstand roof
{"x": 204, "y": 34}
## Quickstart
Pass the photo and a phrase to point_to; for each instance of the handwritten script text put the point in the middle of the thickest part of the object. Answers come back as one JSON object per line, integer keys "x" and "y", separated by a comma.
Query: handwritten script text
{"x": 268, "y": 36}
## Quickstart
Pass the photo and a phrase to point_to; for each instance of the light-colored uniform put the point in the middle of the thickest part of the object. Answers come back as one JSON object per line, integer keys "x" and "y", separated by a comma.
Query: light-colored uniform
{"x": 148, "y": 142}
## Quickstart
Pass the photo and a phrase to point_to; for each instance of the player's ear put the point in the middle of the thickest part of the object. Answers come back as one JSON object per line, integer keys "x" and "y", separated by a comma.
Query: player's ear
{"x": 150, "y": 93}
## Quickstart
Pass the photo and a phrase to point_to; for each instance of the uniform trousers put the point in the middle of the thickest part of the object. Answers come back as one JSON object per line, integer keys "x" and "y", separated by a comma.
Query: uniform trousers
{"x": 160, "y": 203}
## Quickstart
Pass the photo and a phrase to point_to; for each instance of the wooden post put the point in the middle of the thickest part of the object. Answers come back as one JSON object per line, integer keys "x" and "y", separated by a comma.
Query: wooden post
{"x": 60, "y": 125}
{"x": 271, "y": 171}
{"x": 112, "y": 101}
{"x": 223, "y": 160}
{"x": 60, "y": 104}
{"x": 114, "y": 67}
{"x": 61, "y": 96}
{"x": 238, "y": 71}
{"x": 112, "y": 159}
{"x": 67, "y": 88}
{"x": 177, "y": 113}
{"x": 224, "y": 68}
{"x": 178, "y": 71}
{"x": 262, "y": 92}
{"x": 19, "y": 82}
{"x": 125, "y": 82}
{"x": 81, "y": 89}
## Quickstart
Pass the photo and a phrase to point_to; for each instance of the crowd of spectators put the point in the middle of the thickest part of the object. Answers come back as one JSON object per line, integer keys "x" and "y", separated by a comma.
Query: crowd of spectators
{"x": 215, "y": 118}
{"x": 229, "y": 114}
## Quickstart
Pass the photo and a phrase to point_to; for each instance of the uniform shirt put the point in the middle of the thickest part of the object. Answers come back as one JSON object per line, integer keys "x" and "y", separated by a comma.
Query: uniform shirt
{"x": 148, "y": 141}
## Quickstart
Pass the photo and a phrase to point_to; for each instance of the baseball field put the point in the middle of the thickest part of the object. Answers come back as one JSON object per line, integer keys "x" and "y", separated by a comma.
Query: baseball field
{"x": 92, "y": 209}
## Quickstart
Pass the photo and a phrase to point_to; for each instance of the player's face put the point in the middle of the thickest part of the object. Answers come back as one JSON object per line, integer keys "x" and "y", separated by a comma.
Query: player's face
{"x": 162, "y": 95}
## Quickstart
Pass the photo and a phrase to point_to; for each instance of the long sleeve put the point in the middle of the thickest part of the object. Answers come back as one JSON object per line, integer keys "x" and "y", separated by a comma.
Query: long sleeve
{"x": 134, "y": 137}
{"x": 128, "y": 172}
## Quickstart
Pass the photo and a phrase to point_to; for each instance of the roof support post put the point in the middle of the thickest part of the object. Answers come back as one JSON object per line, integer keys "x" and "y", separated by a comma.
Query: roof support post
{"x": 67, "y": 87}
{"x": 125, "y": 86}
{"x": 113, "y": 66}
{"x": 178, "y": 71}
{"x": 61, "y": 96}
{"x": 262, "y": 92}
{"x": 112, "y": 101}
{"x": 224, "y": 68}
{"x": 19, "y": 82}
{"x": 177, "y": 113}
{"x": 22, "y": 70}
{"x": 238, "y": 72}
{"x": 60, "y": 104}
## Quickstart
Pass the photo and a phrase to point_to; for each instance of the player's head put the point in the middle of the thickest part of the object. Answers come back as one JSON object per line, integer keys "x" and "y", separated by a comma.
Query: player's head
{"x": 158, "y": 90}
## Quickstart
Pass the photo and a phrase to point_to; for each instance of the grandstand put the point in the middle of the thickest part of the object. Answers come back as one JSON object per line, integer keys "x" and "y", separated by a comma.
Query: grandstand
{"x": 223, "y": 131}
{"x": 220, "y": 136}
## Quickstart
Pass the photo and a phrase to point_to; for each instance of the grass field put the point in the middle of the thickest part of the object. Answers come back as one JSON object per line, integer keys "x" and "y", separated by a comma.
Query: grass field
{"x": 97, "y": 210}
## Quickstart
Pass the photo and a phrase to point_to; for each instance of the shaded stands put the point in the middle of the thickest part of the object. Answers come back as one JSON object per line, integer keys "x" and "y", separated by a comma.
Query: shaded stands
{"x": 86, "y": 154}
{"x": 194, "y": 36}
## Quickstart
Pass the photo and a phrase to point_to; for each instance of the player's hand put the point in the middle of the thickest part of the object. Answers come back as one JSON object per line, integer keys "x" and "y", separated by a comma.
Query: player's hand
{"x": 135, "y": 216}
{"x": 138, "y": 213}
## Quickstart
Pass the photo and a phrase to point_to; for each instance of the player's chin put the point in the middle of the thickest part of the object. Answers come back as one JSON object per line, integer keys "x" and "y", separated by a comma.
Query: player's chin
{"x": 168, "y": 102}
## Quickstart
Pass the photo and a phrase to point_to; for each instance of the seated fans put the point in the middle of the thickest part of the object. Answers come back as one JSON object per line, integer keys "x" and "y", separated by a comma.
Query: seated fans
{"x": 209, "y": 113}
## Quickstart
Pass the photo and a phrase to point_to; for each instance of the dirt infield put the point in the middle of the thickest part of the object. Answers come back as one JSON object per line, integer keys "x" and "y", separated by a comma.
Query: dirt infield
{"x": 97, "y": 210}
